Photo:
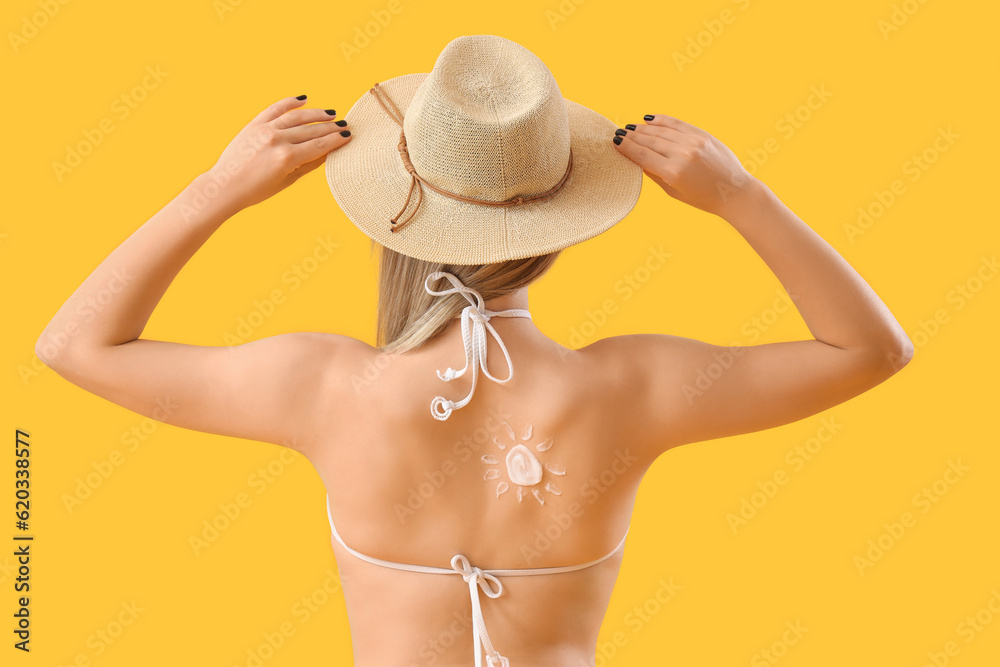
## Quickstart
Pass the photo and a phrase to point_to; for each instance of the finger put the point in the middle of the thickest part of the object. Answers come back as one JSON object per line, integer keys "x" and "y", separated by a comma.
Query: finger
{"x": 664, "y": 132}
{"x": 301, "y": 133}
{"x": 666, "y": 148}
{"x": 314, "y": 149}
{"x": 663, "y": 120}
{"x": 278, "y": 108}
{"x": 301, "y": 117}
{"x": 644, "y": 156}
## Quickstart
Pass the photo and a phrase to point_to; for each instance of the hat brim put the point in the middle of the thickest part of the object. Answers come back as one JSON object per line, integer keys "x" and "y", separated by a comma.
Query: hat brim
{"x": 370, "y": 184}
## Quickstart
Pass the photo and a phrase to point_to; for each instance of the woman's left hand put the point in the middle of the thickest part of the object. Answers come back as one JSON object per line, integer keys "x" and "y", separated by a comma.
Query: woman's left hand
{"x": 274, "y": 150}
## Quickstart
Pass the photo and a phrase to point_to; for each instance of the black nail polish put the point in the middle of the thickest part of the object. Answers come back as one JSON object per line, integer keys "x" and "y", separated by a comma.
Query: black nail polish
{"x": 647, "y": 117}
{"x": 345, "y": 133}
{"x": 301, "y": 97}
{"x": 620, "y": 132}
{"x": 340, "y": 123}
{"x": 331, "y": 112}
{"x": 630, "y": 126}
{"x": 618, "y": 141}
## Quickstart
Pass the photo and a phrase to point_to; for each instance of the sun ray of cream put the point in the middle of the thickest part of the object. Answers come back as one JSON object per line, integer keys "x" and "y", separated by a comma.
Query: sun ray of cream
{"x": 526, "y": 434}
{"x": 555, "y": 468}
{"x": 510, "y": 431}
{"x": 492, "y": 460}
{"x": 544, "y": 446}
{"x": 502, "y": 488}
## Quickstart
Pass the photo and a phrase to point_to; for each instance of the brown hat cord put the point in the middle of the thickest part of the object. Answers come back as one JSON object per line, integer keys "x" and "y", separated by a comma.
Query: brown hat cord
{"x": 393, "y": 112}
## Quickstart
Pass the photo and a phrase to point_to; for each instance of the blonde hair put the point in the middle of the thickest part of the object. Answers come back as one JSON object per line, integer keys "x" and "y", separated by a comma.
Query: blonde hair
{"x": 408, "y": 316}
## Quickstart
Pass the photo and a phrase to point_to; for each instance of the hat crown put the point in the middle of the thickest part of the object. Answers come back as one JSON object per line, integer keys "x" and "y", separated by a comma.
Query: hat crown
{"x": 489, "y": 122}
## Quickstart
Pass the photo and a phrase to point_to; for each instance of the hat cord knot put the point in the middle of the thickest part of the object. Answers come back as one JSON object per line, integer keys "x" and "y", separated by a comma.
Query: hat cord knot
{"x": 405, "y": 155}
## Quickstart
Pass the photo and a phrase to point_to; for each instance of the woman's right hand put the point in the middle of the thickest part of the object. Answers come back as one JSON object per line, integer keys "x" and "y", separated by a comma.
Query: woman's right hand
{"x": 689, "y": 164}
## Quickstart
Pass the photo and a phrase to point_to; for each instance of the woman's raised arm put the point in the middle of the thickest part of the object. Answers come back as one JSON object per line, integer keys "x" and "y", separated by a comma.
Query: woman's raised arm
{"x": 694, "y": 391}
{"x": 262, "y": 390}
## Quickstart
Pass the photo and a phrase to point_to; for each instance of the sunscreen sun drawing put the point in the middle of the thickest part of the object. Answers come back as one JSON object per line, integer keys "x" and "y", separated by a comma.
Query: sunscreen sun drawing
{"x": 523, "y": 468}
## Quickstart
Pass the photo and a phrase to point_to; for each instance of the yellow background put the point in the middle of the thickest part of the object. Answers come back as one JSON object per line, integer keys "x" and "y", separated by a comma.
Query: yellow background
{"x": 793, "y": 562}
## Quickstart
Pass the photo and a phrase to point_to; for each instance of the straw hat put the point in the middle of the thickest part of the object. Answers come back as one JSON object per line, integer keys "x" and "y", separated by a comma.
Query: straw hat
{"x": 480, "y": 161}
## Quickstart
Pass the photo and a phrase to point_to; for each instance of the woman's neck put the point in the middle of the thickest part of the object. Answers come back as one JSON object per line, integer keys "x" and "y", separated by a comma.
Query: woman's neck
{"x": 518, "y": 299}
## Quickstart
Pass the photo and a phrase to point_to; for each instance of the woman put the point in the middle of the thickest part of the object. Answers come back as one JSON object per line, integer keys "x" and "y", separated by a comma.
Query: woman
{"x": 469, "y": 198}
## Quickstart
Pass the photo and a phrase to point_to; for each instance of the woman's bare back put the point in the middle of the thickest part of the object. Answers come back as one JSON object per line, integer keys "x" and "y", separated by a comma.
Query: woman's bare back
{"x": 407, "y": 488}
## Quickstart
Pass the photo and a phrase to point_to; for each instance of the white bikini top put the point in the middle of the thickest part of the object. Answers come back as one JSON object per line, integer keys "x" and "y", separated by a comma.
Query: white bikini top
{"x": 486, "y": 580}
{"x": 475, "y": 341}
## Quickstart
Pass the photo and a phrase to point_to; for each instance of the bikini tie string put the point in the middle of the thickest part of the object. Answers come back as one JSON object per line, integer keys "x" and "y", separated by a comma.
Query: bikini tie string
{"x": 416, "y": 182}
{"x": 481, "y": 639}
{"x": 475, "y": 323}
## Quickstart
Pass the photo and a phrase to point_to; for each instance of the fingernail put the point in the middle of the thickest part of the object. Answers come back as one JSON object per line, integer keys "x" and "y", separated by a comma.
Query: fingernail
{"x": 341, "y": 123}
{"x": 648, "y": 117}
{"x": 620, "y": 132}
{"x": 618, "y": 141}
{"x": 301, "y": 97}
{"x": 345, "y": 133}
{"x": 331, "y": 112}
{"x": 630, "y": 126}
